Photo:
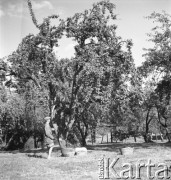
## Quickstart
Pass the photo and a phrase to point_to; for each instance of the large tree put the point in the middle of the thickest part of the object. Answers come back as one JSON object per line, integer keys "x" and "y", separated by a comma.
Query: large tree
{"x": 92, "y": 80}
{"x": 158, "y": 62}
{"x": 158, "y": 58}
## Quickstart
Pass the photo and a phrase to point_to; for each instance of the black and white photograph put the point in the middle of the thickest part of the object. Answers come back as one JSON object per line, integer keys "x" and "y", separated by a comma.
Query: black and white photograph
{"x": 85, "y": 89}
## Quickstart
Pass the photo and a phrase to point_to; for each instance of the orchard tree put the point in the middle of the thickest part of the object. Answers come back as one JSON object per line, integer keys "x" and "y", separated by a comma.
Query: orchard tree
{"x": 158, "y": 60}
{"x": 163, "y": 105}
{"x": 34, "y": 61}
{"x": 148, "y": 106}
{"x": 97, "y": 74}
{"x": 99, "y": 52}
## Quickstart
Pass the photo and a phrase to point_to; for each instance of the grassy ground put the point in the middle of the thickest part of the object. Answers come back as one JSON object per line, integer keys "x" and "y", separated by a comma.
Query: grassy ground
{"x": 34, "y": 165}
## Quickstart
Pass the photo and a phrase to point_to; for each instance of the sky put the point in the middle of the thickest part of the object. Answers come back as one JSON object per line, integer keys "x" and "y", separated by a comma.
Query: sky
{"x": 16, "y": 23}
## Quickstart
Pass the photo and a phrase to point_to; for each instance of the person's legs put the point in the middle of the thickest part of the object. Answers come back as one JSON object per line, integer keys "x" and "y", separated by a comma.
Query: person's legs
{"x": 50, "y": 147}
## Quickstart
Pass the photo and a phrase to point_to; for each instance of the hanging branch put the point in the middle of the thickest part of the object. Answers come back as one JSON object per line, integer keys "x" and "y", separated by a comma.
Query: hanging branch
{"x": 32, "y": 14}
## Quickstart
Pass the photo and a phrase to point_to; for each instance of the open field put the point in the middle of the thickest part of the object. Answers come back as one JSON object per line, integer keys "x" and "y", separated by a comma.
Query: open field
{"x": 34, "y": 165}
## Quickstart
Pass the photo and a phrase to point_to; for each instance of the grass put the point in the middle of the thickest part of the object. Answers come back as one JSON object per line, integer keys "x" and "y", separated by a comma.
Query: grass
{"x": 34, "y": 165}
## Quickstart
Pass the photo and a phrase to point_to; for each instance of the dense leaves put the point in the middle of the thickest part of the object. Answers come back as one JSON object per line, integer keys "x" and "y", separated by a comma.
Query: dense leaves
{"x": 99, "y": 85}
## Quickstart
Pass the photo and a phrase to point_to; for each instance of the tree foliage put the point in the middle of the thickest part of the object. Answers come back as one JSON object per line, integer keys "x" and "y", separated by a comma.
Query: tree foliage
{"x": 100, "y": 84}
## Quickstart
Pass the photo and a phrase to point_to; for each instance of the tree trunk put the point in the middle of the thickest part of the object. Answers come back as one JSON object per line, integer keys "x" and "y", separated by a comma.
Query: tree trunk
{"x": 10, "y": 140}
{"x": 5, "y": 139}
{"x": 163, "y": 124}
{"x": 147, "y": 122}
{"x": 102, "y": 140}
{"x": 83, "y": 141}
{"x": 135, "y": 139}
{"x": 111, "y": 137}
{"x": 167, "y": 135}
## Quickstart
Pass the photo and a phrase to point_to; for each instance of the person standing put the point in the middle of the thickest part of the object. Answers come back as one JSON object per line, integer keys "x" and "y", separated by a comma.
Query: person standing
{"x": 49, "y": 138}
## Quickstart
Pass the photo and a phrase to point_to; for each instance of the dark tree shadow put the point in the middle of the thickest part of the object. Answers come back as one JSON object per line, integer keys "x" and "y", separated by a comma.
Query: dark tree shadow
{"x": 115, "y": 147}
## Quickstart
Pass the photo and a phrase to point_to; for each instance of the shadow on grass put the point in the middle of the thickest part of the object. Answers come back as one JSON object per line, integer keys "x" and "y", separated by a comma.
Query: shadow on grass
{"x": 45, "y": 150}
{"x": 36, "y": 156}
{"x": 114, "y": 147}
